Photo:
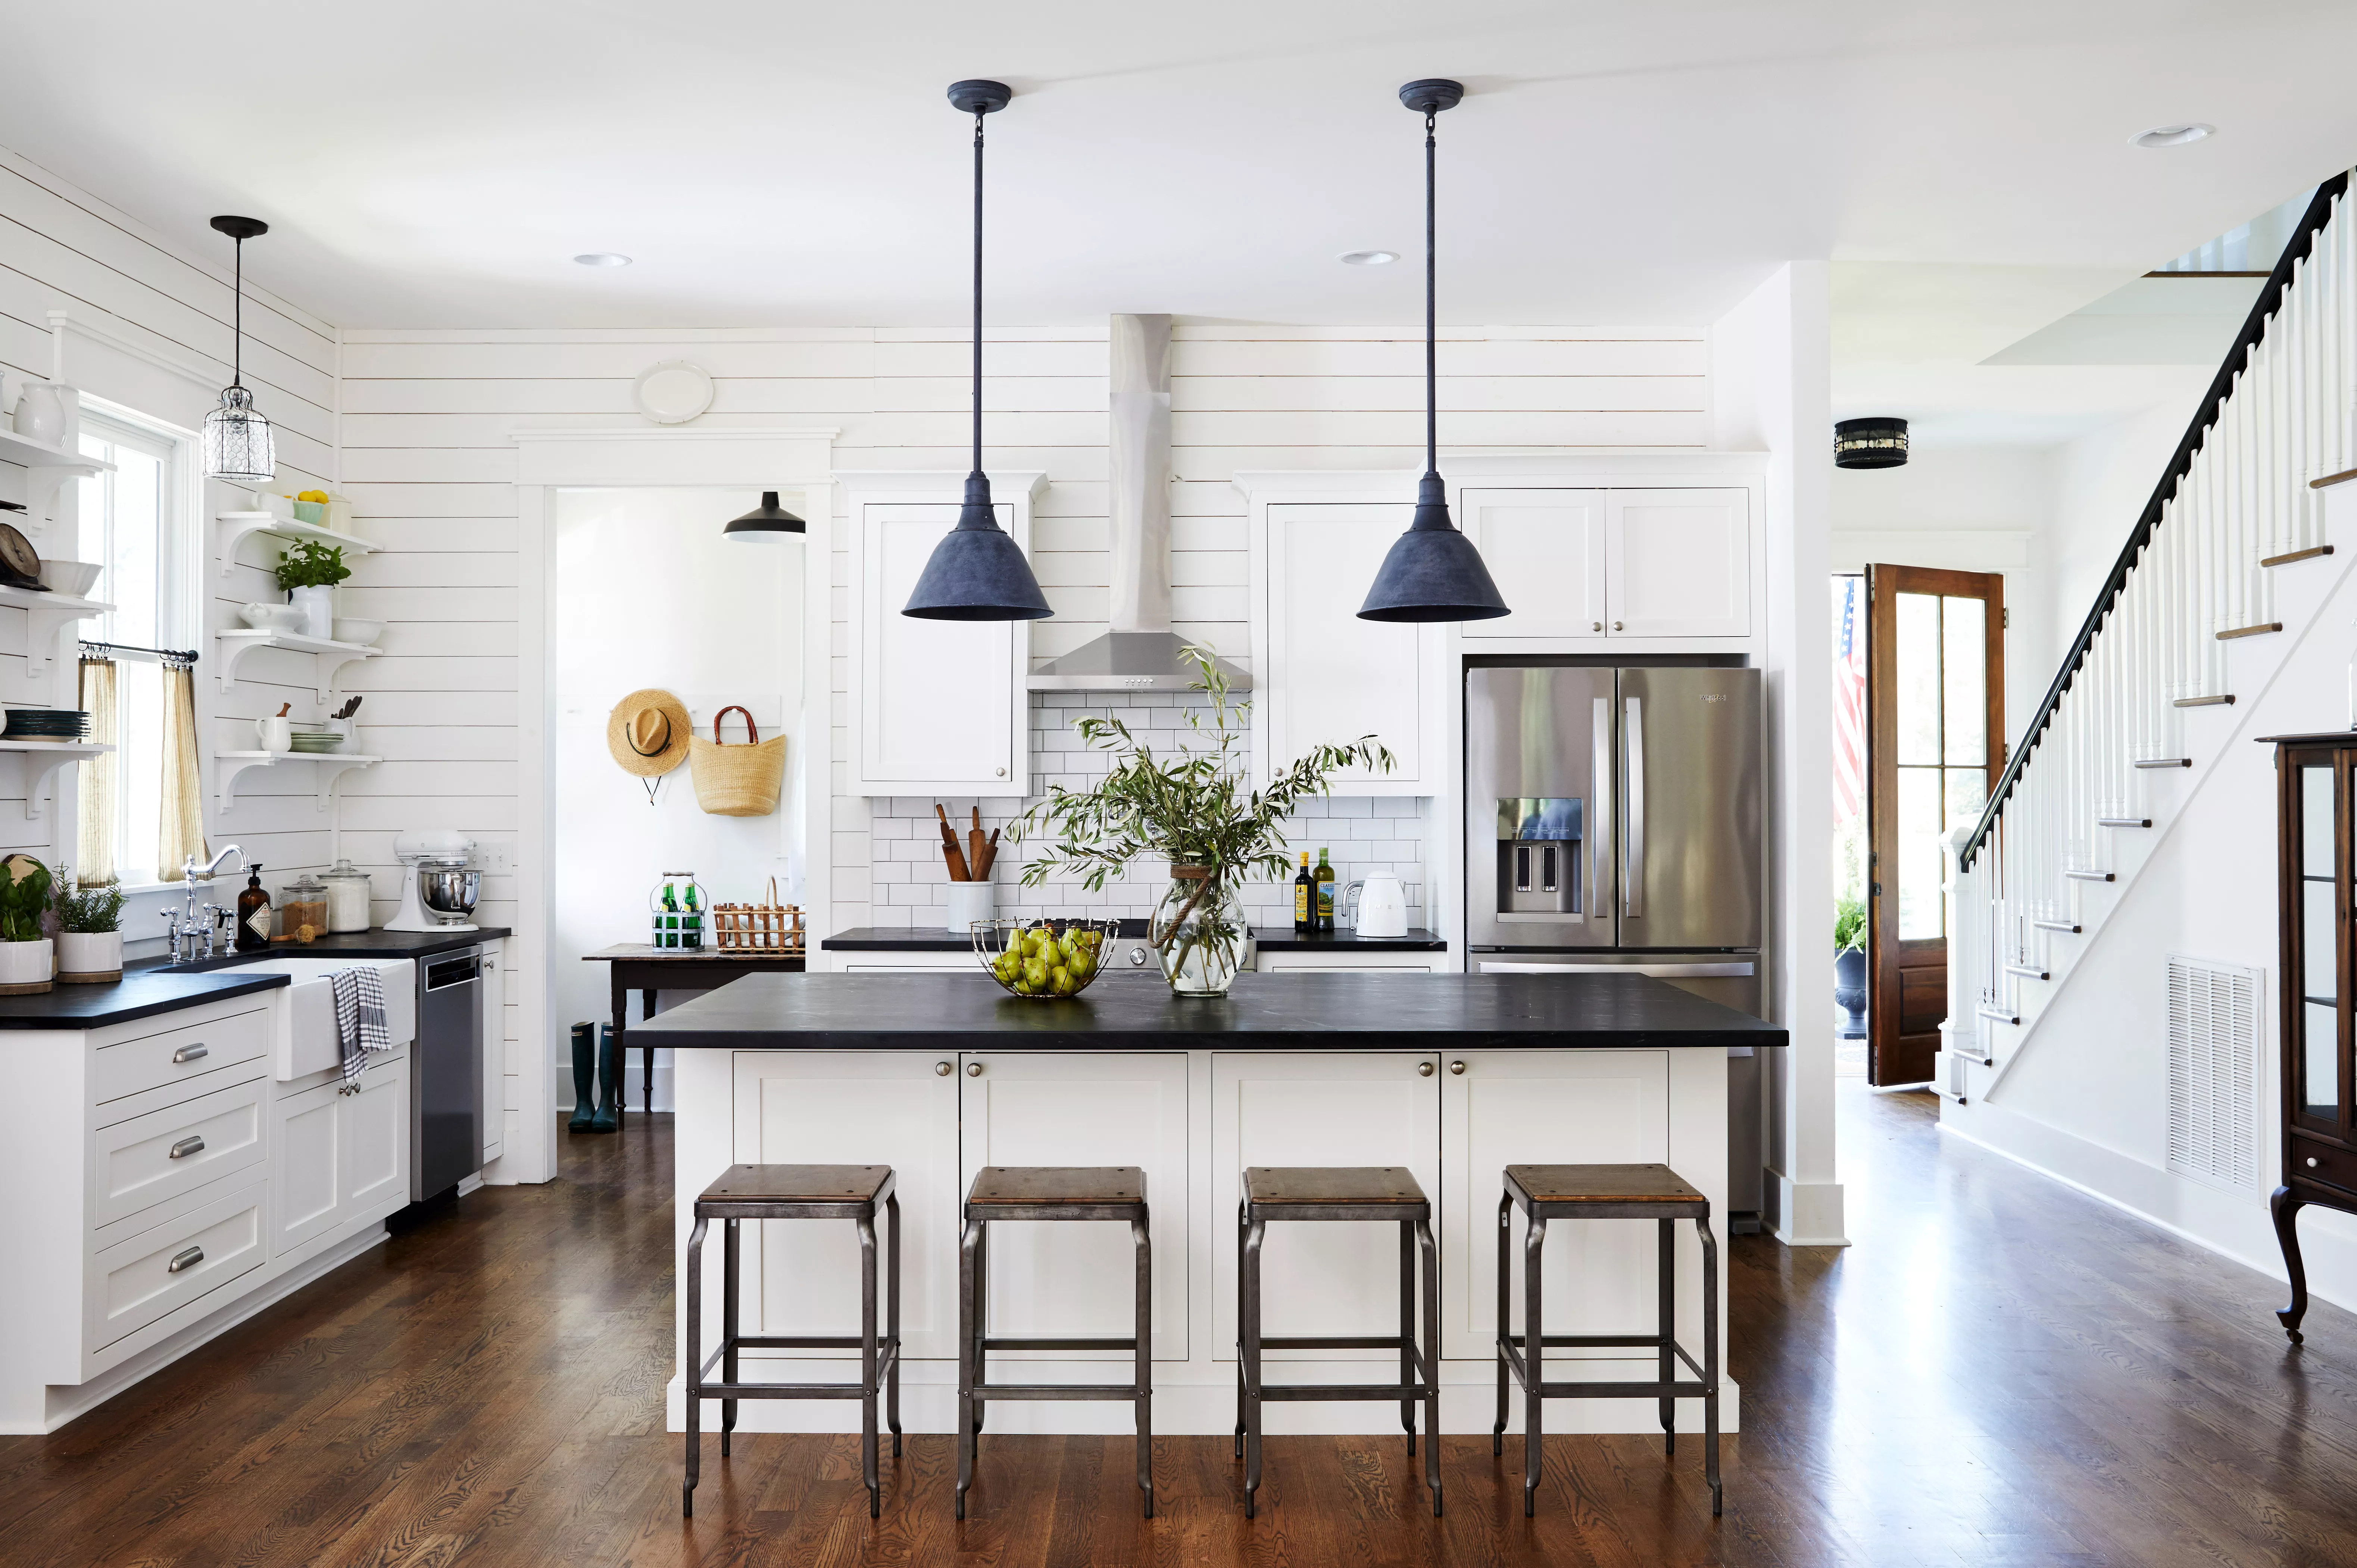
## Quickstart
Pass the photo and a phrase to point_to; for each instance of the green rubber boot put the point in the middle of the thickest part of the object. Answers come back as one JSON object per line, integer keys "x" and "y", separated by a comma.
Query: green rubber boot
{"x": 585, "y": 1079}
{"x": 610, "y": 1074}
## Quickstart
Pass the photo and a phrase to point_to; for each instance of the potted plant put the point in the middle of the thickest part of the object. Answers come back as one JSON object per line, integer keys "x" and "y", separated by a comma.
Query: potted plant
{"x": 25, "y": 953}
{"x": 1849, "y": 966}
{"x": 1197, "y": 812}
{"x": 89, "y": 932}
{"x": 309, "y": 574}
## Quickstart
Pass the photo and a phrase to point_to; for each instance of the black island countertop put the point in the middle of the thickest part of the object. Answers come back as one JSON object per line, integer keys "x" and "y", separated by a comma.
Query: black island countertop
{"x": 1270, "y": 939}
{"x": 1299, "y": 1011}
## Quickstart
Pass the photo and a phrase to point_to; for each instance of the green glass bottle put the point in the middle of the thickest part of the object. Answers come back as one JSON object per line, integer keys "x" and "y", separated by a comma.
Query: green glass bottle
{"x": 1325, "y": 894}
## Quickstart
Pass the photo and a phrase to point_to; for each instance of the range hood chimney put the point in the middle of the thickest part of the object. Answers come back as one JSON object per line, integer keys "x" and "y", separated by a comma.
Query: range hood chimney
{"x": 1141, "y": 652}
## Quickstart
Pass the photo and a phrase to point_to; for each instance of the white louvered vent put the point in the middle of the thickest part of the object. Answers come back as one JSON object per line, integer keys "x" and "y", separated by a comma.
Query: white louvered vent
{"x": 2213, "y": 1072}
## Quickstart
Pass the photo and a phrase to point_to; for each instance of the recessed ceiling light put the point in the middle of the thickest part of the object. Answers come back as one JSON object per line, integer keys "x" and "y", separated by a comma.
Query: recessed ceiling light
{"x": 603, "y": 258}
{"x": 1368, "y": 258}
{"x": 2173, "y": 136}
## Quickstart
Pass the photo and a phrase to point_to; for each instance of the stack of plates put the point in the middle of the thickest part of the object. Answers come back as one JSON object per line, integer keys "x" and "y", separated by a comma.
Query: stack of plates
{"x": 313, "y": 737}
{"x": 47, "y": 724}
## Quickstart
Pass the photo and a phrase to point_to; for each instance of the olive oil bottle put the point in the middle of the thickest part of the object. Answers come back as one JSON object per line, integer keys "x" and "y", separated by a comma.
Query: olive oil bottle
{"x": 1325, "y": 901}
{"x": 1305, "y": 898}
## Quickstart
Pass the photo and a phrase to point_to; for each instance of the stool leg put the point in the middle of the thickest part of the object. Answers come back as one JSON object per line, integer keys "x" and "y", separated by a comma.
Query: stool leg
{"x": 1709, "y": 1360}
{"x": 1431, "y": 1251}
{"x": 694, "y": 1380}
{"x": 1249, "y": 1326}
{"x": 981, "y": 1327}
{"x": 1505, "y": 1316}
{"x": 867, "y": 1352}
{"x": 728, "y": 1328}
{"x": 1407, "y": 1331}
{"x": 969, "y": 1342}
{"x": 1666, "y": 1249}
{"x": 1240, "y": 1329}
{"x": 892, "y": 1320}
{"x": 1143, "y": 1241}
{"x": 1533, "y": 1361}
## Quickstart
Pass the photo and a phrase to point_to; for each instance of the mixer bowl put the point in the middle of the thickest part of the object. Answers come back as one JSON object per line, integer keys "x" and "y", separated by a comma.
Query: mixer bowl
{"x": 449, "y": 889}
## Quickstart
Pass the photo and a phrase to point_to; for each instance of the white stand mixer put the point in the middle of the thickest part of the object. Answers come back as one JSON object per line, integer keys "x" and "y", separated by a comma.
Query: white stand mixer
{"x": 439, "y": 887}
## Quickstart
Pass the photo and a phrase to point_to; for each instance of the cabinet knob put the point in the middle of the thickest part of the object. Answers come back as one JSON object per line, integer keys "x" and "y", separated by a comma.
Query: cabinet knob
{"x": 942, "y": 1070}
{"x": 1424, "y": 1069}
{"x": 1599, "y": 626}
{"x": 973, "y": 1069}
{"x": 1002, "y": 773}
{"x": 1457, "y": 1069}
{"x": 1615, "y": 625}
{"x": 2311, "y": 1162}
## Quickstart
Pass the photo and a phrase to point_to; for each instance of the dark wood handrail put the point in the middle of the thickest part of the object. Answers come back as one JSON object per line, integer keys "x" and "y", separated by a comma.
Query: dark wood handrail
{"x": 2255, "y": 328}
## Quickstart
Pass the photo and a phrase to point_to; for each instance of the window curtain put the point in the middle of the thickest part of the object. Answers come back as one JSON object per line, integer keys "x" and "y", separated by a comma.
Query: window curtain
{"x": 184, "y": 791}
{"x": 94, "y": 847}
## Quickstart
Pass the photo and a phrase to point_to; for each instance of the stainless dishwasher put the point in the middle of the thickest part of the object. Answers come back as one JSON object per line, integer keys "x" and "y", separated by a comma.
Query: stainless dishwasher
{"x": 445, "y": 1074}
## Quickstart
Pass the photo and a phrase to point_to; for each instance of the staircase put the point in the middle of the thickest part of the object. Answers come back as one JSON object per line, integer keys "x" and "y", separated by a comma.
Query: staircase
{"x": 2197, "y": 604}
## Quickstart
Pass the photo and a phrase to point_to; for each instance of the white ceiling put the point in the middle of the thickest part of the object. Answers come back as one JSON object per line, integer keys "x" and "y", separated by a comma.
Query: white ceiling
{"x": 437, "y": 163}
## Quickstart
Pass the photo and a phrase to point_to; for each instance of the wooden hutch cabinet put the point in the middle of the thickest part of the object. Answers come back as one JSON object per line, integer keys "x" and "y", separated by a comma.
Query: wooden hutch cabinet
{"x": 2316, "y": 788}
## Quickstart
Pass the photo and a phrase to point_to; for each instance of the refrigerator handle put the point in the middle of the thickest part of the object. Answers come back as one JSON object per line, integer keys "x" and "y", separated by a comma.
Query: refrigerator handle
{"x": 1633, "y": 884}
{"x": 1599, "y": 832}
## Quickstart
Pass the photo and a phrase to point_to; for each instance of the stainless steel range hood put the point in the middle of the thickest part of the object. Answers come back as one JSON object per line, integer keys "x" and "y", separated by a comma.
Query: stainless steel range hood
{"x": 1141, "y": 652}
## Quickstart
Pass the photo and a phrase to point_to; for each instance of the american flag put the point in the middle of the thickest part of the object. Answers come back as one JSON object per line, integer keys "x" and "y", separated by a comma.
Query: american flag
{"x": 1850, "y": 697}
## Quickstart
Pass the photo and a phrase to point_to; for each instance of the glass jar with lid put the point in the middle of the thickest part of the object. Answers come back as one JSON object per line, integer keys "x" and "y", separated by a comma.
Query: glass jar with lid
{"x": 348, "y": 897}
{"x": 303, "y": 908}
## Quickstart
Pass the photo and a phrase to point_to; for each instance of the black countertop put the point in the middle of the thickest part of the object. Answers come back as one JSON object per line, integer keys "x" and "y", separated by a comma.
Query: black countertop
{"x": 1271, "y": 939}
{"x": 1302, "y": 1010}
{"x": 374, "y": 942}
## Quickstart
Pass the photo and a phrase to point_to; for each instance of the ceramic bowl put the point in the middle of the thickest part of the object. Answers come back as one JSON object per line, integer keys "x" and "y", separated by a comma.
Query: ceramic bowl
{"x": 74, "y": 578}
{"x": 273, "y": 617}
{"x": 310, "y": 512}
{"x": 363, "y": 632}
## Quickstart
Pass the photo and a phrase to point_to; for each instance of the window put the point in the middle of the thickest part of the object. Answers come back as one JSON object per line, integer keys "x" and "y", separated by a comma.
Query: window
{"x": 137, "y": 523}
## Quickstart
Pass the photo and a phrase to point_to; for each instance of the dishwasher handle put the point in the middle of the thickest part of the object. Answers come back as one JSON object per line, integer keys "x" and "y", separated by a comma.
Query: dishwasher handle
{"x": 463, "y": 969}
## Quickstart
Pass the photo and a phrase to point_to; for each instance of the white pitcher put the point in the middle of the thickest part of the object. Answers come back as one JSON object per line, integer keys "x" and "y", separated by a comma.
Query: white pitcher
{"x": 1382, "y": 905}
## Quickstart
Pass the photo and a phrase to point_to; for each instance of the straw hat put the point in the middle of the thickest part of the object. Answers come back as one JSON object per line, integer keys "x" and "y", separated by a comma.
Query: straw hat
{"x": 648, "y": 733}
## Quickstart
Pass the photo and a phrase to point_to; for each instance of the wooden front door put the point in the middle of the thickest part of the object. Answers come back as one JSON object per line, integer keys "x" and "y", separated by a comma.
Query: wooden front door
{"x": 1935, "y": 744}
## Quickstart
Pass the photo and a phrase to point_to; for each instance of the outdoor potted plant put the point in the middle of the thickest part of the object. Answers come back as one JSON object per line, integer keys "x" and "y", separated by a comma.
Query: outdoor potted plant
{"x": 1849, "y": 966}
{"x": 90, "y": 933}
{"x": 1196, "y": 811}
{"x": 309, "y": 574}
{"x": 26, "y": 955}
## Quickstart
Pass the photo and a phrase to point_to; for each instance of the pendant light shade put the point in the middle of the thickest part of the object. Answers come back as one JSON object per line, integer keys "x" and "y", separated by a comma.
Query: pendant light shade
{"x": 976, "y": 572}
{"x": 766, "y": 523}
{"x": 1433, "y": 572}
{"x": 238, "y": 445}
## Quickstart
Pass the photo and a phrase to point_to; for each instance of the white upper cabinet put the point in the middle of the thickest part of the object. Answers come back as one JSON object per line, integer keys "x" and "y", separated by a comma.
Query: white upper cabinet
{"x": 1320, "y": 672}
{"x": 936, "y": 706}
{"x": 1605, "y": 562}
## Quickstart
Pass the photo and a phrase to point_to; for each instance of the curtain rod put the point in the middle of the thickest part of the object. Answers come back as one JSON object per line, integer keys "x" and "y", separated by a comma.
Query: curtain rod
{"x": 183, "y": 657}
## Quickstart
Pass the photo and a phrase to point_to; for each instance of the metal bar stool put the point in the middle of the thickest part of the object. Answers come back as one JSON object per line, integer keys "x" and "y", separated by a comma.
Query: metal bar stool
{"x": 1050, "y": 1193}
{"x": 1604, "y": 1192}
{"x": 796, "y": 1192}
{"x": 1318, "y": 1193}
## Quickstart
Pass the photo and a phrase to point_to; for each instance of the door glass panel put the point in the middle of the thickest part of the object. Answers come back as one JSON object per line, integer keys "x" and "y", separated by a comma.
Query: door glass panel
{"x": 1967, "y": 793}
{"x": 2316, "y": 821}
{"x": 2320, "y": 1081}
{"x": 1920, "y": 914}
{"x": 1918, "y": 679}
{"x": 1964, "y": 680}
{"x": 2317, "y": 979}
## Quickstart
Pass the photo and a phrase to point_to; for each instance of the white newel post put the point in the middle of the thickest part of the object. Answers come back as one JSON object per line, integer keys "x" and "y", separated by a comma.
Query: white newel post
{"x": 1960, "y": 1032}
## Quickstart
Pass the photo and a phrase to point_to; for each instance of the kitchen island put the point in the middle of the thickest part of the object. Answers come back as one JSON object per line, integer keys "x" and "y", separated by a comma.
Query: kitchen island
{"x": 1452, "y": 1076}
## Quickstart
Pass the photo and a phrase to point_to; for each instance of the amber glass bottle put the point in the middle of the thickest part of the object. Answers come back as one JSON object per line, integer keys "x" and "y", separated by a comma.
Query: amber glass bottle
{"x": 252, "y": 913}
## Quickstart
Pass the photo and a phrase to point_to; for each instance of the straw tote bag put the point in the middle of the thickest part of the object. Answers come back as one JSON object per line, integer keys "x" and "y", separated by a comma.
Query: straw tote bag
{"x": 737, "y": 781}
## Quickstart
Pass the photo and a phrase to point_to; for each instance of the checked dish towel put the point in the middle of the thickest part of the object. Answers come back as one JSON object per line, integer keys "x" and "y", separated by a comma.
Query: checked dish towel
{"x": 360, "y": 1020}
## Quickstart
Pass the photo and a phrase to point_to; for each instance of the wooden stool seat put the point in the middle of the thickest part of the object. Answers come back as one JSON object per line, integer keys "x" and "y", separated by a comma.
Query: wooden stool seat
{"x": 1268, "y": 1188}
{"x": 1591, "y": 1186}
{"x": 1001, "y": 1187}
{"x": 846, "y": 1187}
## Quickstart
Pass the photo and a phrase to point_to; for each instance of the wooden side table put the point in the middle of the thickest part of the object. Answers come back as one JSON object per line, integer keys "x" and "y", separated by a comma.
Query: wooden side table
{"x": 647, "y": 969}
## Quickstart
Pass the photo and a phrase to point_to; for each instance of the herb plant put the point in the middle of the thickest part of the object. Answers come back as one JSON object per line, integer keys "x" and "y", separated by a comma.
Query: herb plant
{"x": 25, "y": 887}
{"x": 90, "y": 908}
{"x": 312, "y": 564}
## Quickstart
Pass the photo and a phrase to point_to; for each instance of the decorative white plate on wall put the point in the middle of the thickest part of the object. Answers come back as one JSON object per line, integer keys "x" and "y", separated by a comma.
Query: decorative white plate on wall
{"x": 671, "y": 392}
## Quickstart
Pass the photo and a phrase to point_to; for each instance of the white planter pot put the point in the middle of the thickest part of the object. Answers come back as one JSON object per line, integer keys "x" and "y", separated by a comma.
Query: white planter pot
{"x": 93, "y": 953}
{"x": 969, "y": 902}
{"x": 26, "y": 967}
{"x": 318, "y": 608}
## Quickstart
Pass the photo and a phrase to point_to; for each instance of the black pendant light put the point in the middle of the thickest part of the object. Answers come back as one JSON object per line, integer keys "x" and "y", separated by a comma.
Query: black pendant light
{"x": 976, "y": 572}
{"x": 1433, "y": 572}
{"x": 766, "y": 523}
{"x": 1875, "y": 443}
{"x": 237, "y": 439}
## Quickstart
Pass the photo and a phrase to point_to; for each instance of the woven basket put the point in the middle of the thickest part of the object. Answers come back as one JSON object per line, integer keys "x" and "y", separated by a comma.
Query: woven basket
{"x": 737, "y": 781}
{"x": 754, "y": 930}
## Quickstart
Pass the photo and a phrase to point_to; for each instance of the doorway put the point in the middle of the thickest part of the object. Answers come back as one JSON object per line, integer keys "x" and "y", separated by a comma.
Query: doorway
{"x": 1935, "y": 744}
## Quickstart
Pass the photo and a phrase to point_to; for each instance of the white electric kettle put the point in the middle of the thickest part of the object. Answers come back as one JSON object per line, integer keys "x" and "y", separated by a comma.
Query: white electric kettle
{"x": 1382, "y": 905}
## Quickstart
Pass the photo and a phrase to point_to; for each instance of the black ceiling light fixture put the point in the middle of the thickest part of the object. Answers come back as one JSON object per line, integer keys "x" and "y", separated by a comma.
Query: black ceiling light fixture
{"x": 1875, "y": 443}
{"x": 976, "y": 572}
{"x": 237, "y": 444}
{"x": 1433, "y": 572}
{"x": 766, "y": 523}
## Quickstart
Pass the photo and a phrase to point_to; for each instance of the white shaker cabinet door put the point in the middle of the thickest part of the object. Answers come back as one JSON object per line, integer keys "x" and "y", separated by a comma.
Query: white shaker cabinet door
{"x": 1329, "y": 676}
{"x": 1068, "y": 1279}
{"x": 1548, "y": 1107}
{"x": 306, "y": 1187}
{"x": 848, "y": 1108}
{"x": 373, "y": 1141}
{"x": 1545, "y": 551}
{"x": 1354, "y": 1108}
{"x": 940, "y": 703}
{"x": 1678, "y": 563}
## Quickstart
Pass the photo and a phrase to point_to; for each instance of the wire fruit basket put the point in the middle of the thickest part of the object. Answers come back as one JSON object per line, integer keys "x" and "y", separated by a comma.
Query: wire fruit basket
{"x": 1042, "y": 960}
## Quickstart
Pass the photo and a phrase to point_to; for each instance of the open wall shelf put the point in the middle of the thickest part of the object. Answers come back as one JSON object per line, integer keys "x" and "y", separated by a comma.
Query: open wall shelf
{"x": 48, "y": 471}
{"x": 229, "y": 766}
{"x": 235, "y": 525}
{"x": 332, "y": 656}
{"x": 43, "y": 759}
{"x": 46, "y": 615}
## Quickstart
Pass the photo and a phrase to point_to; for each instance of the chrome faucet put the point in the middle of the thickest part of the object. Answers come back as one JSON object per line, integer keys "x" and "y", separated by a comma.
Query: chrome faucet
{"x": 185, "y": 929}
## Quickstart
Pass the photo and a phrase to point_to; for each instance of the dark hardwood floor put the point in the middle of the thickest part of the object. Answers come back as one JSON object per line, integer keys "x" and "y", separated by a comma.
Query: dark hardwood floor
{"x": 2000, "y": 1371}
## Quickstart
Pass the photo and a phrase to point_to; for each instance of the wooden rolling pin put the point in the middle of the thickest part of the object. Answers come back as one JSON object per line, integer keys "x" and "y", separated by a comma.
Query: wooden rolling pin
{"x": 950, "y": 851}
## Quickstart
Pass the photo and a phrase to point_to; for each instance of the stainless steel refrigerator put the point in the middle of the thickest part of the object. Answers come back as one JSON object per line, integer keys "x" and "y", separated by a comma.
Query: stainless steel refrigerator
{"x": 1612, "y": 821}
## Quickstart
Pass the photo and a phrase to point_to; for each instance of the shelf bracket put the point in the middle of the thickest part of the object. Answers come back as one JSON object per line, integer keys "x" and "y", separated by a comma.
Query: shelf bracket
{"x": 232, "y": 769}
{"x": 40, "y": 772}
{"x": 330, "y": 658}
{"x": 332, "y": 768}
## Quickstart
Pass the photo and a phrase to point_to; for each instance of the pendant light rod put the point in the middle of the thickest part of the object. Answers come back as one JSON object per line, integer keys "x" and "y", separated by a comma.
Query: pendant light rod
{"x": 1431, "y": 310}
{"x": 978, "y": 113}
{"x": 240, "y": 230}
